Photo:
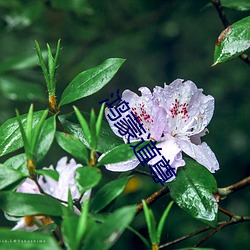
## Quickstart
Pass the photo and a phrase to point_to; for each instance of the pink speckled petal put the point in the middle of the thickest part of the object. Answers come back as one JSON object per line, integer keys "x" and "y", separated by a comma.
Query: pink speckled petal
{"x": 189, "y": 110}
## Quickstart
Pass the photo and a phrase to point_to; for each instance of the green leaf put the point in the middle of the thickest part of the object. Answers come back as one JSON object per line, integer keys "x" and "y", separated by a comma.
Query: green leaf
{"x": 73, "y": 146}
{"x": 19, "y": 63}
{"x": 90, "y": 81}
{"x": 8, "y": 176}
{"x": 162, "y": 221}
{"x": 69, "y": 231}
{"x": 99, "y": 121}
{"x": 53, "y": 174}
{"x": 10, "y": 136}
{"x": 233, "y": 41}
{"x": 241, "y": 5}
{"x": 150, "y": 219}
{"x": 20, "y": 204}
{"x": 193, "y": 191}
{"x": 82, "y": 223}
{"x": 18, "y": 162}
{"x": 92, "y": 127}
{"x": 87, "y": 177}
{"x": 19, "y": 90}
{"x": 84, "y": 125}
{"x": 46, "y": 138}
{"x": 105, "y": 235}
{"x": 121, "y": 153}
{"x": 107, "y": 139}
{"x": 108, "y": 193}
{"x": 16, "y": 240}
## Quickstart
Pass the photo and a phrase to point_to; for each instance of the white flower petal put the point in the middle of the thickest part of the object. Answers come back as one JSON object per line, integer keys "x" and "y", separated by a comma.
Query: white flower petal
{"x": 201, "y": 153}
{"x": 29, "y": 187}
{"x": 172, "y": 152}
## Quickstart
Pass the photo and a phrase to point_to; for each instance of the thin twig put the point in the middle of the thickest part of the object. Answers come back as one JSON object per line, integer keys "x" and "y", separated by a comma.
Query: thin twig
{"x": 226, "y": 23}
{"x": 223, "y": 192}
{"x": 234, "y": 220}
{"x": 143, "y": 173}
{"x": 221, "y": 225}
{"x": 224, "y": 211}
{"x": 152, "y": 198}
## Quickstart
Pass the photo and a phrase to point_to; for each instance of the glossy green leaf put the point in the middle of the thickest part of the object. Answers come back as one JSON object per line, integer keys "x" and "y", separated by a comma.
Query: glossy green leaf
{"x": 106, "y": 234}
{"x": 233, "y": 41}
{"x": 19, "y": 90}
{"x": 46, "y": 138}
{"x": 20, "y": 204}
{"x": 90, "y": 81}
{"x": 9, "y": 175}
{"x": 241, "y": 5}
{"x": 10, "y": 136}
{"x": 87, "y": 177}
{"x": 107, "y": 139}
{"x": 108, "y": 193}
{"x": 73, "y": 146}
{"x": 18, "y": 162}
{"x": 193, "y": 191}
{"x": 16, "y": 240}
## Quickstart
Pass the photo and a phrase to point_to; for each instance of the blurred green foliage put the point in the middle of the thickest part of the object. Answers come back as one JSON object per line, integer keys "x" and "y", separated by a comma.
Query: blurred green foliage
{"x": 161, "y": 41}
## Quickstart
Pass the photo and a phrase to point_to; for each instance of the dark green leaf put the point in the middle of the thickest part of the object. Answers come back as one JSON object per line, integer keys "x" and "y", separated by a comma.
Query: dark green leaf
{"x": 73, "y": 146}
{"x": 20, "y": 90}
{"x": 241, "y": 5}
{"x": 8, "y": 176}
{"x": 10, "y": 136}
{"x": 105, "y": 235}
{"x": 87, "y": 177}
{"x": 193, "y": 191}
{"x": 108, "y": 193}
{"x": 90, "y": 81}
{"x": 107, "y": 139}
{"x": 16, "y": 240}
{"x": 233, "y": 41}
{"x": 20, "y": 204}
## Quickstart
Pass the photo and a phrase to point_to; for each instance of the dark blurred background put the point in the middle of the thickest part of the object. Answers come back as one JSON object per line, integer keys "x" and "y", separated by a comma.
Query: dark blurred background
{"x": 161, "y": 41}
